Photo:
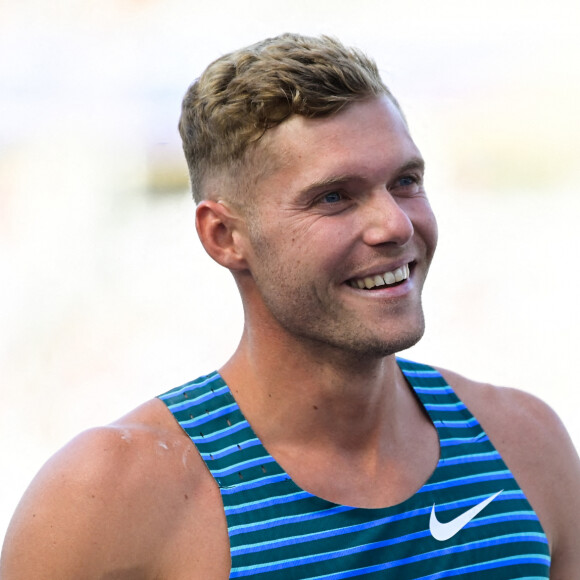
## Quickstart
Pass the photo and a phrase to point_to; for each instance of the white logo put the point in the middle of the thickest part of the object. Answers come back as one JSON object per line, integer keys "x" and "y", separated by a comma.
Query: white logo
{"x": 446, "y": 531}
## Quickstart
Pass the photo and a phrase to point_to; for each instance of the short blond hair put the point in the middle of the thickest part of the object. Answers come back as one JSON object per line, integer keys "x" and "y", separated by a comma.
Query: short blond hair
{"x": 243, "y": 94}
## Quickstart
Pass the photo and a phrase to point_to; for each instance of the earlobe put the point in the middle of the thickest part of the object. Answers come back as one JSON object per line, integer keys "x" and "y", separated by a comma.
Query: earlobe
{"x": 220, "y": 230}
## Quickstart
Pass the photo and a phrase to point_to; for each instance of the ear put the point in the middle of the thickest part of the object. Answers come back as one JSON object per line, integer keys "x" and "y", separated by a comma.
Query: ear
{"x": 222, "y": 232}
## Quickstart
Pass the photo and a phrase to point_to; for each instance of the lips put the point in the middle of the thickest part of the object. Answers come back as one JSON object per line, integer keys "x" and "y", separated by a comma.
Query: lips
{"x": 390, "y": 278}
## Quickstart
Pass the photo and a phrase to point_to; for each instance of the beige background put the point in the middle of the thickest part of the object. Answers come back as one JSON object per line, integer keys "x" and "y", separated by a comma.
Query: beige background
{"x": 107, "y": 298}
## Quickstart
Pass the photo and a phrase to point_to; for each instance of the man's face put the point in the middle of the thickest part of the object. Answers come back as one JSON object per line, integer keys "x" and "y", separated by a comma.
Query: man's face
{"x": 342, "y": 234}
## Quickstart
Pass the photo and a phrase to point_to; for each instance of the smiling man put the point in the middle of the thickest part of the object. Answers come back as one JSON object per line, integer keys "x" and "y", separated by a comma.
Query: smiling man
{"x": 313, "y": 452}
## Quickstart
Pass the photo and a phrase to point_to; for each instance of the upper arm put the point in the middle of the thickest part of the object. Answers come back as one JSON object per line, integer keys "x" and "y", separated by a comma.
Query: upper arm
{"x": 121, "y": 502}
{"x": 539, "y": 452}
{"x": 69, "y": 521}
{"x": 559, "y": 464}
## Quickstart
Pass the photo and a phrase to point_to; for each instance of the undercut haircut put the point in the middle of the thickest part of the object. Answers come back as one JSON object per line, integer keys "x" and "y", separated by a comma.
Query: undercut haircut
{"x": 227, "y": 111}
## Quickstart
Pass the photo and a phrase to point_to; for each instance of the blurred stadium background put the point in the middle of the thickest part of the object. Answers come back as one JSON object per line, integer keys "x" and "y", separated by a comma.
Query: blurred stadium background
{"x": 106, "y": 296}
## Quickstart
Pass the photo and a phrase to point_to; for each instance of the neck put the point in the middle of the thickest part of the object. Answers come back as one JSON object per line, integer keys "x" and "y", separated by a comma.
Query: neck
{"x": 340, "y": 426}
{"x": 291, "y": 391}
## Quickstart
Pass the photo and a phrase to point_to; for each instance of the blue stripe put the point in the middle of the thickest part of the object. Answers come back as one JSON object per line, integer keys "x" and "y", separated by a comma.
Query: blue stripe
{"x": 505, "y": 517}
{"x": 259, "y": 504}
{"x": 445, "y": 406}
{"x": 434, "y": 390}
{"x": 242, "y": 529}
{"x": 450, "y": 441}
{"x": 459, "y": 424}
{"x": 472, "y": 457}
{"x": 189, "y": 386}
{"x": 442, "y": 390}
{"x": 490, "y": 476}
{"x": 229, "y": 450}
{"x": 244, "y": 486}
{"x": 500, "y": 563}
{"x": 242, "y": 465}
{"x": 421, "y": 374}
{"x": 198, "y": 400}
{"x": 220, "y": 434}
{"x": 190, "y": 423}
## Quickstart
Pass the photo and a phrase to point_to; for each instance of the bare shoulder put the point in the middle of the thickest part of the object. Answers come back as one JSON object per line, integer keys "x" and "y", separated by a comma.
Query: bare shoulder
{"x": 113, "y": 503}
{"x": 528, "y": 415}
{"x": 538, "y": 450}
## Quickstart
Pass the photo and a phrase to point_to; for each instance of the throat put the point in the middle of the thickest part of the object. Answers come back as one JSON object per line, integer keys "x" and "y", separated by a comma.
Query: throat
{"x": 351, "y": 479}
{"x": 348, "y": 463}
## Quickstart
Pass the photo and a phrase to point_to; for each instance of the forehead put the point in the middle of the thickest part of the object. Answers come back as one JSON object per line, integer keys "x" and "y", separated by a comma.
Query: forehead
{"x": 368, "y": 139}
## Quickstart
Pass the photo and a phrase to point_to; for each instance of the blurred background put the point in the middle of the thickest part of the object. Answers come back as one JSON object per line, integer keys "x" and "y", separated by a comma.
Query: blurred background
{"x": 106, "y": 297}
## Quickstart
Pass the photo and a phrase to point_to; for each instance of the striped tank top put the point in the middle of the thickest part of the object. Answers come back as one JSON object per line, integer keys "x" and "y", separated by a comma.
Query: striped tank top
{"x": 469, "y": 520}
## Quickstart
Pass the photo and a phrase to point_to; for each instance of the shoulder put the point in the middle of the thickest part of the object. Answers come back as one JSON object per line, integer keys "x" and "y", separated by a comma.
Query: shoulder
{"x": 514, "y": 418}
{"x": 538, "y": 450}
{"x": 529, "y": 415}
{"x": 109, "y": 500}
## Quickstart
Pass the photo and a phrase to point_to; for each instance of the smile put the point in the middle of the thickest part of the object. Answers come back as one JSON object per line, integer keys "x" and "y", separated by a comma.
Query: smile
{"x": 387, "y": 279}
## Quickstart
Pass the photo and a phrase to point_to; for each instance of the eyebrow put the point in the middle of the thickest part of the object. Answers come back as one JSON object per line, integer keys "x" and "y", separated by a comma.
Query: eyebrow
{"x": 330, "y": 182}
{"x": 413, "y": 164}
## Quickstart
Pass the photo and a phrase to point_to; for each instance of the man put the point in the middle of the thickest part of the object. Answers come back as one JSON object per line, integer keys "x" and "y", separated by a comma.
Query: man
{"x": 313, "y": 452}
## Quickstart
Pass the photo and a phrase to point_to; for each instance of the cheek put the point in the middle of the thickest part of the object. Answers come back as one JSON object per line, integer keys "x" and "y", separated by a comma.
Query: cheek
{"x": 308, "y": 252}
{"x": 425, "y": 225}
{"x": 432, "y": 234}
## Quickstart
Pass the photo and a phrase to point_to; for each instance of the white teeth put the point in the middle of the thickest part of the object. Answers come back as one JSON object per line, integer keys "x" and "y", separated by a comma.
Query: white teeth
{"x": 390, "y": 278}
{"x": 387, "y": 278}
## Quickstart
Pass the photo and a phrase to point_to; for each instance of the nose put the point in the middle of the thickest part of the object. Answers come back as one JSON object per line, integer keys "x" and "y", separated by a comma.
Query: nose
{"x": 386, "y": 221}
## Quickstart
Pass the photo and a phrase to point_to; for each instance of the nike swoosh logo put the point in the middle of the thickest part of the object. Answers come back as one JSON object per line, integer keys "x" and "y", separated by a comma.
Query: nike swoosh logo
{"x": 446, "y": 531}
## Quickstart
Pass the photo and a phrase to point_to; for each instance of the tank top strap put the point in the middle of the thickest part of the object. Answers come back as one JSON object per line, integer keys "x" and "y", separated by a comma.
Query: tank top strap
{"x": 207, "y": 411}
{"x": 454, "y": 422}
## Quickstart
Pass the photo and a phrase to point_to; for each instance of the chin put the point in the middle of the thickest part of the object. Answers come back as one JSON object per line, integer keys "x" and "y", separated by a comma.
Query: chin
{"x": 397, "y": 336}
{"x": 389, "y": 346}
{"x": 363, "y": 345}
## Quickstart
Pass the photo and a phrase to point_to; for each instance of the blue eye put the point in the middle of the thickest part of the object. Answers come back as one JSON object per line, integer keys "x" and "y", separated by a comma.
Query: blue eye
{"x": 408, "y": 185}
{"x": 407, "y": 181}
{"x": 332, "y": 197}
